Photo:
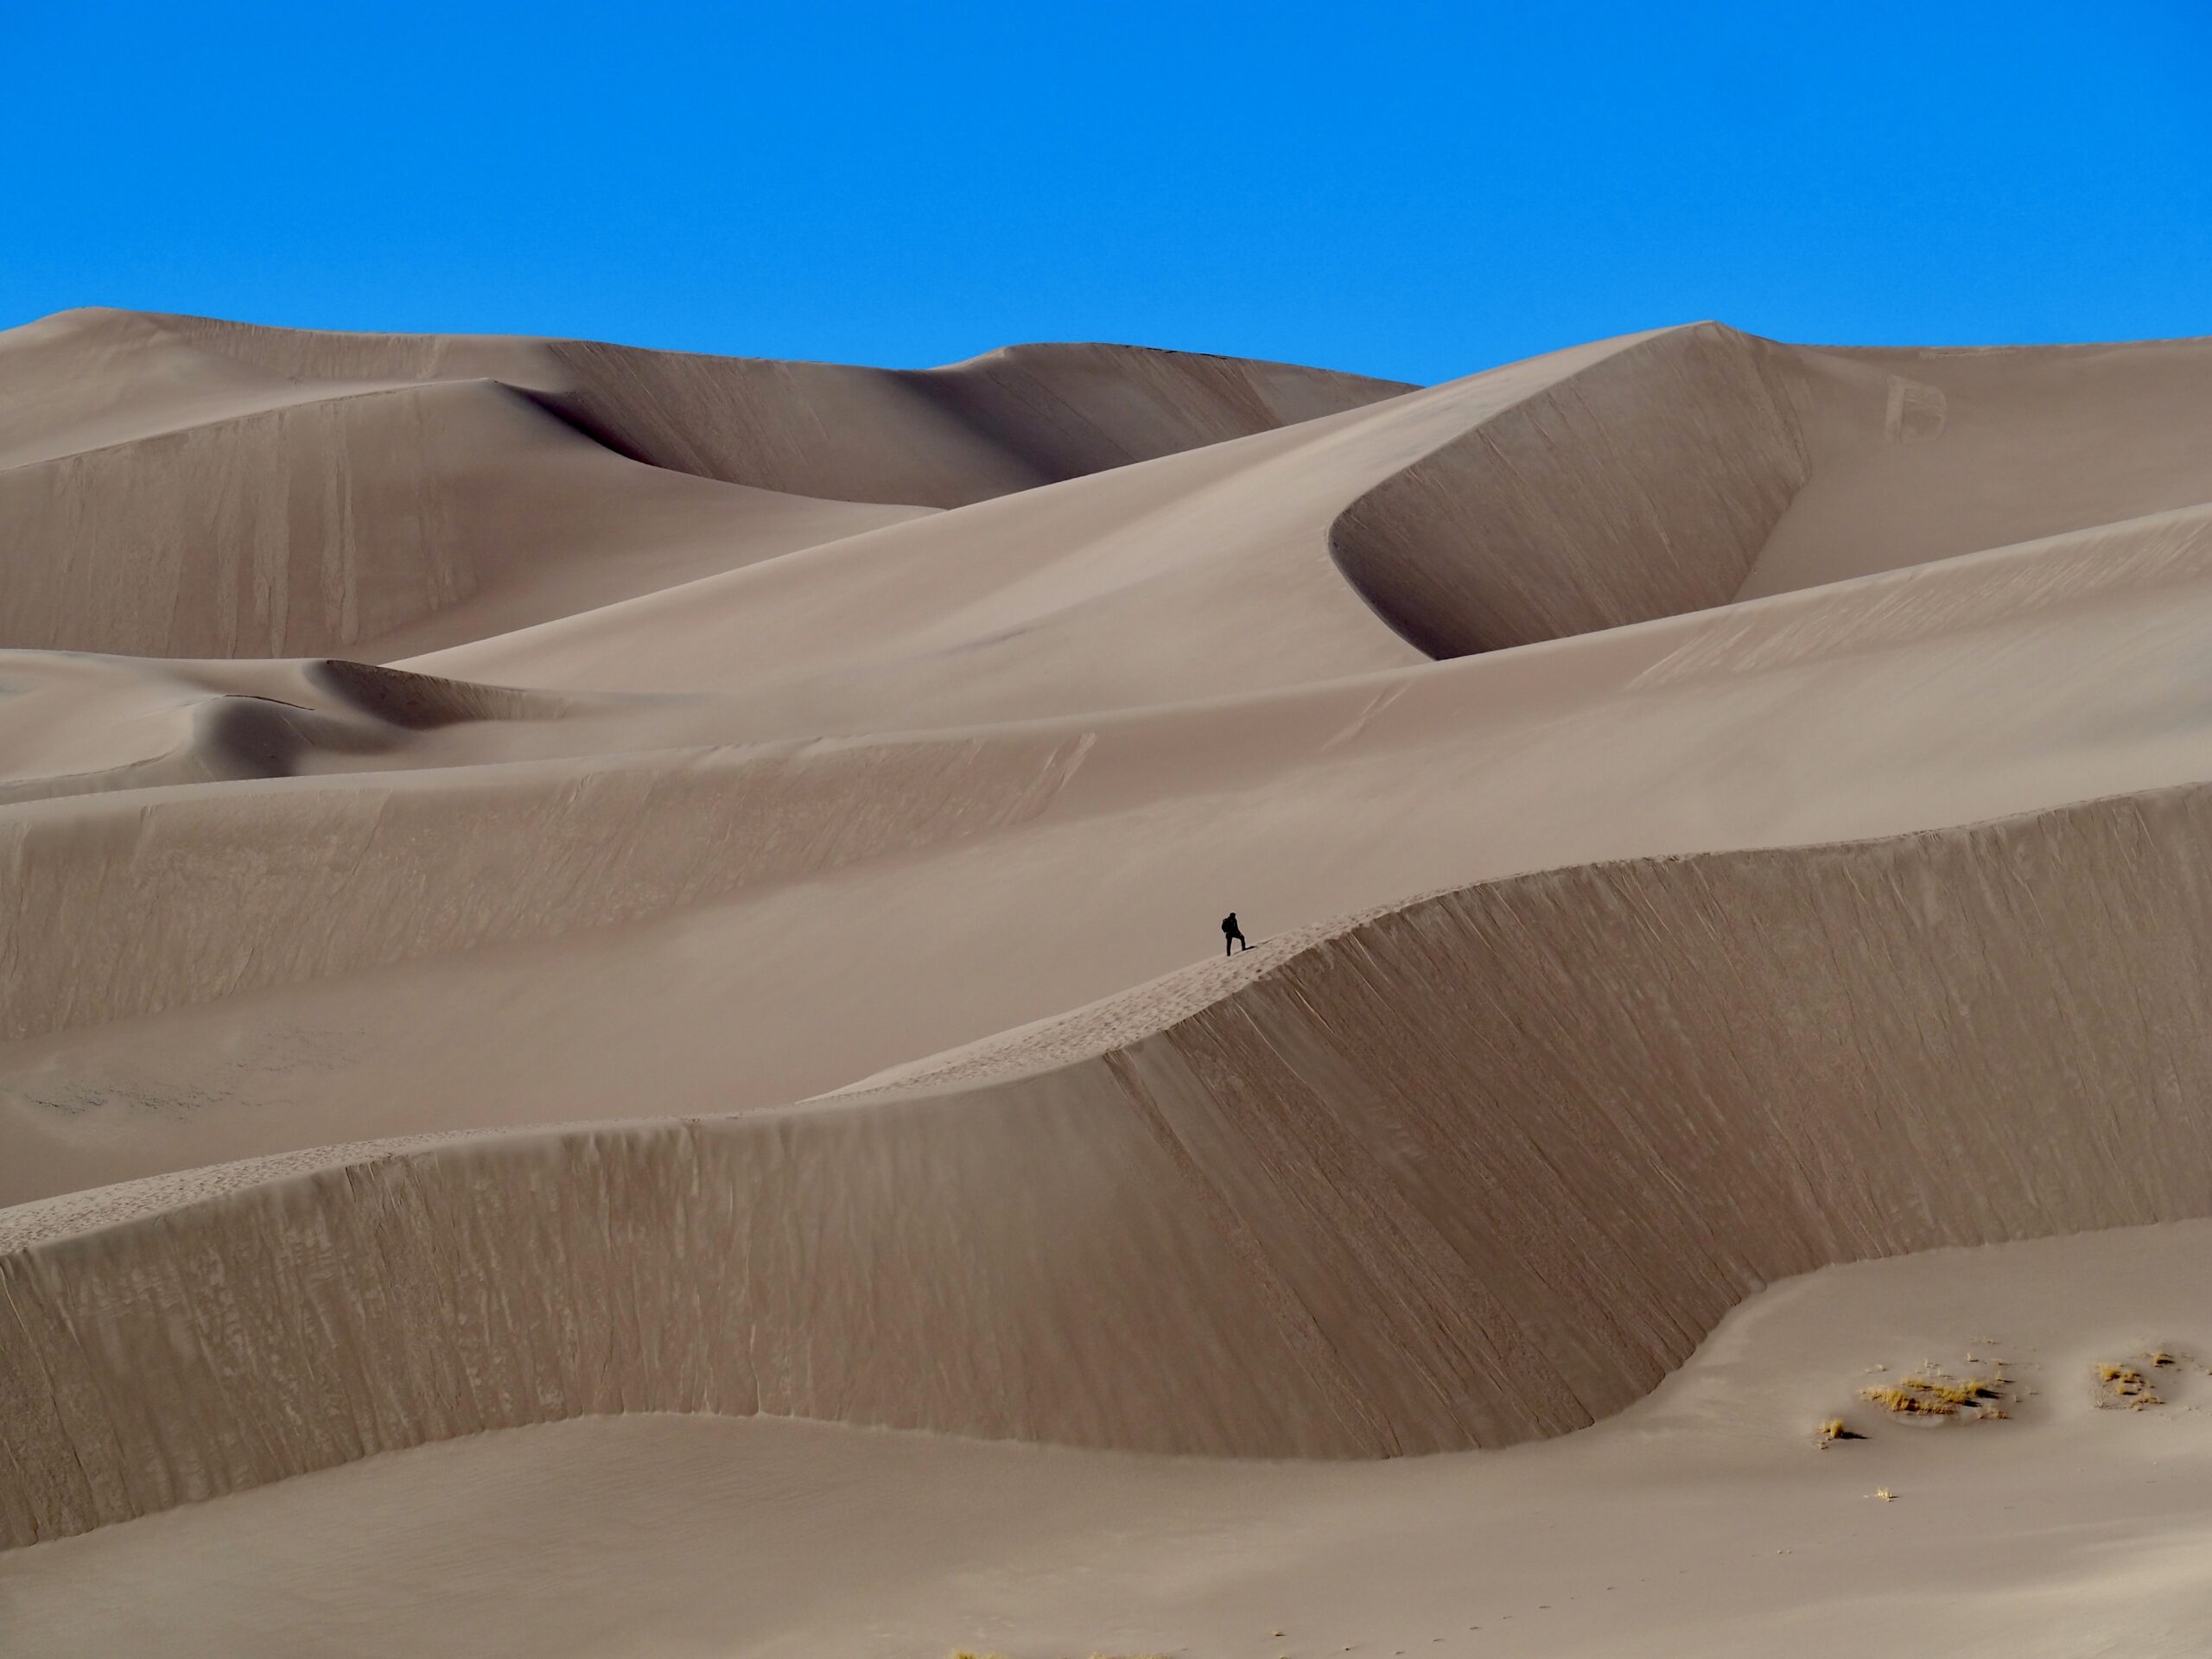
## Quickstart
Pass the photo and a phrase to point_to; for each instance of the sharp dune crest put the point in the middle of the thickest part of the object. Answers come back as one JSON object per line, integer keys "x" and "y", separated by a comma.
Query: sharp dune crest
{"x": 548, "y": 878}
{"x": 1643, "y": 486}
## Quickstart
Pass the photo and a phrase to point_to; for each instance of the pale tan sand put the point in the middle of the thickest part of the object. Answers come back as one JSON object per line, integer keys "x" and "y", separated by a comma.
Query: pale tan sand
{"x": 2017, "y": 679}
{"x": 1703, "y": 1521}
{"x": 760, "y": 731}
{"x": 1348, "y": 1150}
{"x": 197, "y": 489}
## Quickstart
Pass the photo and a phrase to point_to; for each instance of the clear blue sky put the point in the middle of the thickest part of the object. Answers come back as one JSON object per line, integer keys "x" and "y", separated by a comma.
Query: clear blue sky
{"x": 1415, "y": 191}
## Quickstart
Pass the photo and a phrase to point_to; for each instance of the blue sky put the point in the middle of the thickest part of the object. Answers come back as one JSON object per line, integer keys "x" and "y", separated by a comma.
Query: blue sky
{"x": 1415, "y": 191}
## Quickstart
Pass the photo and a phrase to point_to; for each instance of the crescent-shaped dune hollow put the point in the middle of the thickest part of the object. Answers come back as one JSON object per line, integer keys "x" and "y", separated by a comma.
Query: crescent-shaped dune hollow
{"x": 547, "y": 879}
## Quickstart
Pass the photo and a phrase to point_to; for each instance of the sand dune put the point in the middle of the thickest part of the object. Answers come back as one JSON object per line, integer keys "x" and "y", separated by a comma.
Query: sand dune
{"x": 1347, "y": 1150}
{"x": 1642, "y": 485}
{"x": 283, "y": 493}
{"x": 377, "y": 520}
{"x": 563, "y": 880}
{"x": 935, "y": 437}
{"x": 1941, "y": 693}
{"x": 1701, "y": 1520}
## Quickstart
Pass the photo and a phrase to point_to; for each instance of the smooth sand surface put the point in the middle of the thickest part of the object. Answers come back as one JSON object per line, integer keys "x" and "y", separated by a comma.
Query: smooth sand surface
{"x": 567, "y": 883}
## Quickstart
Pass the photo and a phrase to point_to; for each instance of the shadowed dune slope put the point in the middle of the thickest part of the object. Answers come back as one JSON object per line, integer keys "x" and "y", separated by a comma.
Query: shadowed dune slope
{"x": 225, "y": 891}
{"x": 1202, "y": 573}
{"x": 1644, "y": 486}
{"x": 1701, "y": 464}
{"x": 1321, "y": 1200}
{"x": 384, "y": 520}
{"x": 1605, "y": 485}
{"x": 240, "y": 491}
{"x": 943, "y": 437}
{"x": 198, "y": 487}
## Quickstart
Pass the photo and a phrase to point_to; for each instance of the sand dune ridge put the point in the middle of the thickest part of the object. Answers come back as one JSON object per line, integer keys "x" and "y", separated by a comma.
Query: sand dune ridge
{"x": 1350, "y": 1156}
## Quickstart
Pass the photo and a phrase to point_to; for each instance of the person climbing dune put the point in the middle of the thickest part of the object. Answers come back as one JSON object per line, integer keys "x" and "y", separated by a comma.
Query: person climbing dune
{"x": 1233, "y": 936}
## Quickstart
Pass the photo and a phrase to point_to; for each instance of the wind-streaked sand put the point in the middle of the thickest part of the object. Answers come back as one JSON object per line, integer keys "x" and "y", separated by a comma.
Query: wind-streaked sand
{"x": 1709, "y": 809}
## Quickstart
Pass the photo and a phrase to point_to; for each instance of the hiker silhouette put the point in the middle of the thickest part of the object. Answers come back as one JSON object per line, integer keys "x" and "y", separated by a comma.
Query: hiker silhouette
{"x": 1233, "y": 936}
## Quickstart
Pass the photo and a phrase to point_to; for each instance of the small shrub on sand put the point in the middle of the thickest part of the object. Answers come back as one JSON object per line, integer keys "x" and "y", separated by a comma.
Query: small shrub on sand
{"x": 1934, "y": 1394}
{"x": 1907, "y": 1404}
{"x": 1836, "y": 1429}
{"x": 2125, "y": 1386}
{"x": 1955, "y": 1391}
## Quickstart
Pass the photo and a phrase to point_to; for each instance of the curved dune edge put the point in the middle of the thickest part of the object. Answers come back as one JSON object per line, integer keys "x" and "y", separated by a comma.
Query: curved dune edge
{"x": 1473, "y": 1170}
{"x": 1638, "y": 486}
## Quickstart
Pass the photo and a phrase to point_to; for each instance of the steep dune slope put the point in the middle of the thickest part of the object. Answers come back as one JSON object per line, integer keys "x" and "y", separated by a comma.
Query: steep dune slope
{"x": 233, "y": 889}
{"x": 1700, "y": 1521}
{"x": 1648, "y": 476}
{"x": 179, "y": 487}
{"x": 1322, "y": 1202}
{"x": 1706, "y": 465}
{"x": 1938, "y": 695}
{"x": 1199, "y": 574}
{"x": 1612, "y": 486}
{"x": 1642, "y": 486}
{"x": 380, "y": 520}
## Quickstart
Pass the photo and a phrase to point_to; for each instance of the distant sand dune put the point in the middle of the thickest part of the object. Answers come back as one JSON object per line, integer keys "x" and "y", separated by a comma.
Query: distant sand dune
{"x": 1006, "y": 420}
{"x": 288, "y": 492}
{"x": 390, "y": 518}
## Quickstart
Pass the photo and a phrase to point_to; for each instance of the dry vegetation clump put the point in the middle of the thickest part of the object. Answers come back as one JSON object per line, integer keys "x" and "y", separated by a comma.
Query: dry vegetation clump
{"x": 1836, "y": 1429}
{"x": 1935, "y": 1394}
{"x": 2123, "y": 1385}
{"x": 1957, "y": 1392}
{"x": 1906, "y": 1403}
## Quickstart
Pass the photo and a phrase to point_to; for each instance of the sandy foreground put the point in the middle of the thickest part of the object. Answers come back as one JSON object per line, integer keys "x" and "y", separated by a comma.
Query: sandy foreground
{"x": 611, "y": 1036}
{"x": 1704, "y": 1520}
